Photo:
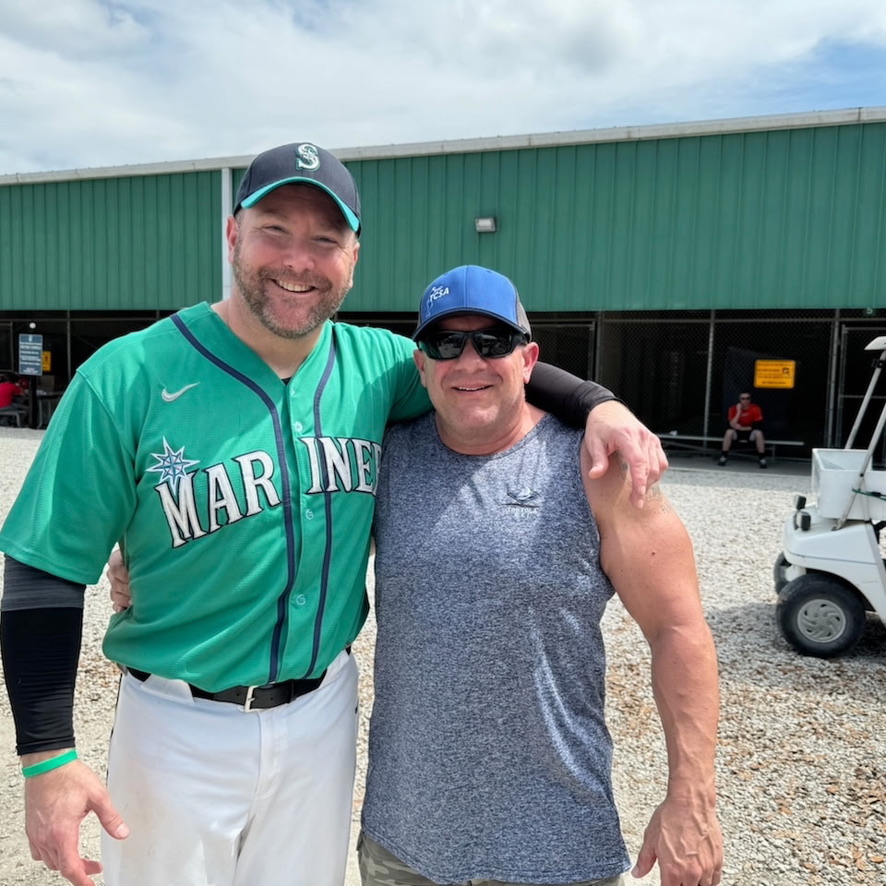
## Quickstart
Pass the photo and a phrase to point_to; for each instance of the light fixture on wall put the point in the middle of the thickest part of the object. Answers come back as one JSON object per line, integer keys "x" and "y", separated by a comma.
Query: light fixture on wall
{"x": 485, "y": 225}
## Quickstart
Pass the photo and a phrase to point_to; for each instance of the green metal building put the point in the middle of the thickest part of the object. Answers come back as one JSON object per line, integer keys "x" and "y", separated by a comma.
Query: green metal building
{"x": 662, "y": 260}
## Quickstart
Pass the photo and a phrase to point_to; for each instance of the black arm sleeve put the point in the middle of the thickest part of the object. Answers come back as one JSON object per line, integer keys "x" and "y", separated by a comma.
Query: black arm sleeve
{"x": 565, "y": 395}
{"x": 40, "y": 649}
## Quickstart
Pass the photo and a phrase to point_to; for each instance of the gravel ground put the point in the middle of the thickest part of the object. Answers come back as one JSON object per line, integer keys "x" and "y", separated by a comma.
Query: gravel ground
{"x": 802, "y": 777}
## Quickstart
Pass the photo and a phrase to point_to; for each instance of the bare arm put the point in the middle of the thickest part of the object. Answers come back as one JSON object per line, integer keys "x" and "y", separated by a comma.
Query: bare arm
{"x": 648, "y": 557}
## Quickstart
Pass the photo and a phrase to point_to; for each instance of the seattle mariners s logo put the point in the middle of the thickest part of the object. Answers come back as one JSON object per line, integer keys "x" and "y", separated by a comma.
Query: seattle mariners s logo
{"x": 307, "y": 158}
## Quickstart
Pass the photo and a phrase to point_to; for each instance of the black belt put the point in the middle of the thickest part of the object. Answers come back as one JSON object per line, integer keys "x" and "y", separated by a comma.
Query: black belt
{"x": 253, "y": 698}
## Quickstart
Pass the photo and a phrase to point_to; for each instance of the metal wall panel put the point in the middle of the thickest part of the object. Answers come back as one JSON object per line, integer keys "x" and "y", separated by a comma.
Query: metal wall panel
{"x": 110, "y": 244}
{"x": 781, "y": 219}
{"x": 791, "y": 218}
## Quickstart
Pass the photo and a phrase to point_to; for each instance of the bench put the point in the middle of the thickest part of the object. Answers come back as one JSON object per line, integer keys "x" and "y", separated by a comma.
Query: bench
{"x": 15, "y": 412}
{"x": 699, "y": 443}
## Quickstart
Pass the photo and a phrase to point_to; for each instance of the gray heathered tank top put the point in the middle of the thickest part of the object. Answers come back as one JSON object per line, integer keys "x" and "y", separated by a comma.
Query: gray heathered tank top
{"x": 489, "y": 754}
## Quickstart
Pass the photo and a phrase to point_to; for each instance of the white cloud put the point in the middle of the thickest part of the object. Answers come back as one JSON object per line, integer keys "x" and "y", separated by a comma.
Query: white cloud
{"x": 75, "y": 29}
{"x": 85, "y": 83}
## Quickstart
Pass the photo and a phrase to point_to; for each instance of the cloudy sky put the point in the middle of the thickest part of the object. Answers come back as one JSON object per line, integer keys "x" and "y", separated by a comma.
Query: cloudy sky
{"x": 100, "y": 83}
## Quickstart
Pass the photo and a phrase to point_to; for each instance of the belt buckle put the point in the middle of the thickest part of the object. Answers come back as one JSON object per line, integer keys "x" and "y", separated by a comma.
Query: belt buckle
{"x": 250, "y": 696}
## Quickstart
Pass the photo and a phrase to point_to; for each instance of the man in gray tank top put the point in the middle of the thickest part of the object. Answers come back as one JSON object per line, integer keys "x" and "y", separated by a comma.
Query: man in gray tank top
{"x": 489, "y": 759}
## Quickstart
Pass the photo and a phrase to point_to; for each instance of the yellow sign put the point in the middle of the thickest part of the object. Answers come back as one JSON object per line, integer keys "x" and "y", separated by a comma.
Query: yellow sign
{"x": 774, "y": 373}
{"x": 47, "y": 361}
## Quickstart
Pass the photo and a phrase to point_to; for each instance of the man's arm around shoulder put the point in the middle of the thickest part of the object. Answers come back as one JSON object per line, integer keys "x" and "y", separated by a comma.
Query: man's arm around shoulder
{"x": 648, "y": 557}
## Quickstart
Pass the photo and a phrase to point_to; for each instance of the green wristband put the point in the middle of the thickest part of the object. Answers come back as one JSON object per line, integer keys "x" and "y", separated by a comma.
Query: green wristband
{"x": 50, "y": 764}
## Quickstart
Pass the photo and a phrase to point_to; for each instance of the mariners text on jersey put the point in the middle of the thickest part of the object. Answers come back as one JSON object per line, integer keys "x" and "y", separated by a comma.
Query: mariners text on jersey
{"x": 197, "y": 503}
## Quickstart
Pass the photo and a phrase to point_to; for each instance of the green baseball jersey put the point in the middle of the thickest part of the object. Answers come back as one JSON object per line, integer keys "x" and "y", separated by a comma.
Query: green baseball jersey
{"x": 243, "y": 505}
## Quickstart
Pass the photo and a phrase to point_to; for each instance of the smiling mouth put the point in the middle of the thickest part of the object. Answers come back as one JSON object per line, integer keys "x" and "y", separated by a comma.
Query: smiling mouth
{"x": 297, "y": 288}
{"x": 472, "y": 389}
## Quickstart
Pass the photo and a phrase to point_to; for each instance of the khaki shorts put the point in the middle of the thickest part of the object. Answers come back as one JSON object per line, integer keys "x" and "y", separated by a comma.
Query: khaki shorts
{"x": 379, "y": 868}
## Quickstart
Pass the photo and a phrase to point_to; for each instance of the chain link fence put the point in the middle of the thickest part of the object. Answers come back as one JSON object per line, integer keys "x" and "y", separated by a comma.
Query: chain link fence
{"x": 680, "y": 371}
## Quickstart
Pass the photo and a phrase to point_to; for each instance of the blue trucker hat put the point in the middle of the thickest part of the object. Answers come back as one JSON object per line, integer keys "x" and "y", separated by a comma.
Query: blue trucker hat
{"x": 300, "y": 163}
{"x": 471, "y": 289}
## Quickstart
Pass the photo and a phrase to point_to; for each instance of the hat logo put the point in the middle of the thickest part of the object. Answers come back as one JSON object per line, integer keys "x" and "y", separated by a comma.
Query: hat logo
{"x": 437, "y": 292}
{"x": 307, "y": 158}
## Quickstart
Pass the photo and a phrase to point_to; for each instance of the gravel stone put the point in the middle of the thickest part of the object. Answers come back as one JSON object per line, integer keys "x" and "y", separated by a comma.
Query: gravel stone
{"x": 802, "y": 744}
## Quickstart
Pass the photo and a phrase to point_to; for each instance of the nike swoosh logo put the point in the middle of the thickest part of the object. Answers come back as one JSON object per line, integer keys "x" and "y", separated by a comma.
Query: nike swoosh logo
{"x": 168, "y": 398}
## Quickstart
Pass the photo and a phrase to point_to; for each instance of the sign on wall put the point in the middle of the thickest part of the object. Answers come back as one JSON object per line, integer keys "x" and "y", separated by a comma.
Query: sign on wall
{"x": 30, "y": 354}
{"x": 774, "y": 373}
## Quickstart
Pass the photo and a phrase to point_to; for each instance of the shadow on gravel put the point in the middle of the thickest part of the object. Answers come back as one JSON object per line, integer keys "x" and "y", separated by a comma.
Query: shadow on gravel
{"x": 763, "y": 480}
{"x": 751, "y": 645}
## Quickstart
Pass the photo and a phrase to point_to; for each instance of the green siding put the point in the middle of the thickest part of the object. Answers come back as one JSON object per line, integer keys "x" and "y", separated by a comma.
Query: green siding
{"x": 783, "y": 219}
{"x": 780, "y": 219}
{"x": 110, "y": 244}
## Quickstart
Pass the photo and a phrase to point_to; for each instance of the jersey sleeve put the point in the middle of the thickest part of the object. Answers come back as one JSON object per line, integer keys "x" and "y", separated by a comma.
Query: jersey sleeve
{"x": 78, "y": 496}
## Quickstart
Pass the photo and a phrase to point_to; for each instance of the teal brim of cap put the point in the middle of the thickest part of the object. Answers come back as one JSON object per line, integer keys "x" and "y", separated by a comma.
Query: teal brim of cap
{"x": 352, "y": 220}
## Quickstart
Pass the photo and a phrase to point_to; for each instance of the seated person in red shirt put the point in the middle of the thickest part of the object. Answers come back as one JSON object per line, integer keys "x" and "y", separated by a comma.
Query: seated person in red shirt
{"x": 9, "y": 390}
{"x": 744, "y": 420}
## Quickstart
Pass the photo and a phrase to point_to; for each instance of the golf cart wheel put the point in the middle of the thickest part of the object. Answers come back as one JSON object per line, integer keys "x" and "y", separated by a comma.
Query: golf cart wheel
{"x": 778, "y": 570}
{"x": 819, "y": 615}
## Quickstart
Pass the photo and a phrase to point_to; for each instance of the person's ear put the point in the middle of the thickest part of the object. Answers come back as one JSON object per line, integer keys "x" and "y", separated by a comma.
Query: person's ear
{"x": 530, "y": 358}
{"x": 420, "y": 359}
{"x": 232, "y": 232}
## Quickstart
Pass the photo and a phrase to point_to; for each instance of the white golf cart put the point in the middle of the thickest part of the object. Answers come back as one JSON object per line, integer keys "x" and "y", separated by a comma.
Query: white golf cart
{"x": 831, "y": 572}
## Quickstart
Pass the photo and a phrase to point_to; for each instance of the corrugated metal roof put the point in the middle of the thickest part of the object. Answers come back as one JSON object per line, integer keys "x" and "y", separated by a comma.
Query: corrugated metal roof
{"x": 843, "y": 117}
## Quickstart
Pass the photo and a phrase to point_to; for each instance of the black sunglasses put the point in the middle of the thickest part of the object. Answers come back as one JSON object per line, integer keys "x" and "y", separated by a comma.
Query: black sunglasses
{"x": 447, "y": 344}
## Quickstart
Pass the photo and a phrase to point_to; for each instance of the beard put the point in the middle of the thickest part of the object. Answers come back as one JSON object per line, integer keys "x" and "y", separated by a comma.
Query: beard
{"x": 252, "y": 285}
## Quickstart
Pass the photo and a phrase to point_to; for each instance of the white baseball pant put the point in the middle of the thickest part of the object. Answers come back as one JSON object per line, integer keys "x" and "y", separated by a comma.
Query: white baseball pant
{"x": 217, "y": 796}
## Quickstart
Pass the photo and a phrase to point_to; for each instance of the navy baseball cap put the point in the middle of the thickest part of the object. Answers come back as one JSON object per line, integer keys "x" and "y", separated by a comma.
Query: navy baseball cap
{"x": 300, "y": 163}
{"x": 471, "y": 289}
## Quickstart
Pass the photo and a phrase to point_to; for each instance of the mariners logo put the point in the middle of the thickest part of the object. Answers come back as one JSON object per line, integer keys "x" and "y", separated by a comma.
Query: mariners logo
{"x": 307, "y": 157}
{"x": 225, "y": 494}
{"x": 171, "y": 465}
{"x": 200, "y": 502}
